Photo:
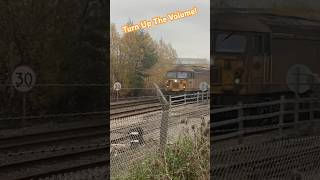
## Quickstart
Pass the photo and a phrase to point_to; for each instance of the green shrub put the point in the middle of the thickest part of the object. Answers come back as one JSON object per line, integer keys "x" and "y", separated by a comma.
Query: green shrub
{"x": 188, "y": 158}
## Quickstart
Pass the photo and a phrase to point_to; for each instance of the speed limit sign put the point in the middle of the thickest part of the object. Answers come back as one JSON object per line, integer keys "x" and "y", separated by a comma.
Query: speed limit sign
{"x": 23, "y": 78}
{"x": 117, "y": 86}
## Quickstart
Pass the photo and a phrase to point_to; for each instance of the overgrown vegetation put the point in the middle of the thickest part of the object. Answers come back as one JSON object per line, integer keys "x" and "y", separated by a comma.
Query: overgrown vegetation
{"x": 188, "y": 158}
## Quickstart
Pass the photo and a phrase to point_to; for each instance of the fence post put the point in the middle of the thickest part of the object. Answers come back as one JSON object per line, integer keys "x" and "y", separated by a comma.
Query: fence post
{"x": 311, "y": 115}
{"x": 197, "y": 97}
{"x": 296, "y": 114}
{"x": 164, "y": 119}
{"x": 185, "y": 98}
{"x": 240, "y": 116}
{"x": 170, "y": 101}
{"x": 202, "y": 97}
{"x": 281, "y": 115}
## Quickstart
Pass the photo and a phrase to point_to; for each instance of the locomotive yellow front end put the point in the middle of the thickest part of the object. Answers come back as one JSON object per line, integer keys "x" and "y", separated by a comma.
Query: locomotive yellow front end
{"x": 241, "y": 64}
{"x": 176, "y": 85}
{"x": 176, "y": 81}
{"x": 227, "y": 71}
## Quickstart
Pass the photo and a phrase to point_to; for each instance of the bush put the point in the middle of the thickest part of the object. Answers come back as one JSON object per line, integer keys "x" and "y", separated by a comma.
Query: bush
{"x": 188, "y": 158}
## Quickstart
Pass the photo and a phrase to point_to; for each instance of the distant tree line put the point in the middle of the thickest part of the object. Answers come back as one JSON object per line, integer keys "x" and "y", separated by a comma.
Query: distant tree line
{"x": 65, "y": 43}
{"x": 137, "y": 60}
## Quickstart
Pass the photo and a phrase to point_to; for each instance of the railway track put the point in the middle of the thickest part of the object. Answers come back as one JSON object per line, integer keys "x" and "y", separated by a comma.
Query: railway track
{"x": 124, "y": 109}
{"x": 66, "y": 147}
{"x": 48, "y": 152}
{"x": 44, "y": 153}
{"x": 50, "y": 165}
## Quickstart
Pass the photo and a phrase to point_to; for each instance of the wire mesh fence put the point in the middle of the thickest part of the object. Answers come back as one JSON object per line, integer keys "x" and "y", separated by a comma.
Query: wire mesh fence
{"x": 134, "y": 138}
{"x": 278, "y": 148}
{"x": 285, "y": 159}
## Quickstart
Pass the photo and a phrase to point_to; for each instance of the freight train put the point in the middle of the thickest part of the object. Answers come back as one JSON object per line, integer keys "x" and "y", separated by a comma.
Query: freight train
{"x": 186, "y": 78}
{"x": 253, "y": 53}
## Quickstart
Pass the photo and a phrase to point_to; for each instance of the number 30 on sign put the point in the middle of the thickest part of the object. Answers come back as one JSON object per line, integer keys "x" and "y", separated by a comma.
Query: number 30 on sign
{"x": 23, "y": 78}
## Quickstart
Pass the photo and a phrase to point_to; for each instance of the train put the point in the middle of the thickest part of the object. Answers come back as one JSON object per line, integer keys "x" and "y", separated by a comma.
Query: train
{"x": 187, "y": 79}
{"x": 261, "y": 56}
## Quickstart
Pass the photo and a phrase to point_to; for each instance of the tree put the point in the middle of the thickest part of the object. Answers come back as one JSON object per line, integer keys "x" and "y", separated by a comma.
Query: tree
{"x": 64, "y": 42}
{"x": 137, "y": 60}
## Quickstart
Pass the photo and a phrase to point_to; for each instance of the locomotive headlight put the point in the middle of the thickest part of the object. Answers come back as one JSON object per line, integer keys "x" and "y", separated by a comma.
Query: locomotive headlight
{"x": 237, "y": 80}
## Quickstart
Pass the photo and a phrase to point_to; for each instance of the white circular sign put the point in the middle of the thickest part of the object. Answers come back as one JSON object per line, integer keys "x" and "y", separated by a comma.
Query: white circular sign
{"x": 23, "y": 78}
{"x": 299, "y": 78}
{"x": 203, "y": 86}
{"x": 117, "y": 86}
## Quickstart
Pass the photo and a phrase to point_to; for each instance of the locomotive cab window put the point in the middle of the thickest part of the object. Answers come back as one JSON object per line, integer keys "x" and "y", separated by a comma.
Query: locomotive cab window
{"x": 172, "y": 75}
{"x": 184, "y": 75}
{"x": 179, "y": 75}
{"x": 230, "y": 43}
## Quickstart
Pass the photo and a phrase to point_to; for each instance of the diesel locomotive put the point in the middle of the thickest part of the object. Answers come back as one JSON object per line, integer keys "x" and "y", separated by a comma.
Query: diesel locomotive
{"x": 186, "y": 78}
{"x": 253, "y": 52}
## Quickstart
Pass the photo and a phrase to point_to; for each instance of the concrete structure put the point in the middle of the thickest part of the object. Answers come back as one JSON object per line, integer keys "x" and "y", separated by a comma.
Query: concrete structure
{"x": 192, "y": 61}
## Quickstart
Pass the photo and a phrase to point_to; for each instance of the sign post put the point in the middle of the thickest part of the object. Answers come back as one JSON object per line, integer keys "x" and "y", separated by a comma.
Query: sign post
{"x": 23, "y": 79}
{"x": 203, "y": 86}
{"x": 117, "y": 87}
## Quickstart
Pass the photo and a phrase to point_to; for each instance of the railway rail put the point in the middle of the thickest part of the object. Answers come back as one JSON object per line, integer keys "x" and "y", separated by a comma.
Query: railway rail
{"x": 40, "y": 154}
{"x": 123, "y": 109}
{"x": 69, "y": 143}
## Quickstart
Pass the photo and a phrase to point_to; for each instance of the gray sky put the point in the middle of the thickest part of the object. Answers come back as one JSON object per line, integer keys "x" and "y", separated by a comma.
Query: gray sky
{"x": 190, "y": 36}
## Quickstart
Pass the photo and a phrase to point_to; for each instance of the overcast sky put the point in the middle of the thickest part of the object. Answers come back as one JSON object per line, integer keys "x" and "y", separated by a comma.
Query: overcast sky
{"x": 190, "y": 36}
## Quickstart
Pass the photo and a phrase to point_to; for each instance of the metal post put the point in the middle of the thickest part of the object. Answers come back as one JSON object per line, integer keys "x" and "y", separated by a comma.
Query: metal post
{"x": 298, "y": 80}
{"x": 164, "y": 128}
{"x": 240, "y": 116}
{"x": 170, "y": 100}
{"x": 202, "y": 97}
{"x": 117, "y": 95}
{"x": 164, "y": 119}
{"x": 185, "y": 98}
{"x": 296, "y": 113}
{"x": 24, "y": 109}
{"x": 198, "y": 97}
{"x": 311, "y": 115}
{"x": 281, "y": 116}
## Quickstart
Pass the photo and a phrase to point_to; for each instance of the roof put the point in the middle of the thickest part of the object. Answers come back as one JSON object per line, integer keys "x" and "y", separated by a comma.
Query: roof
{"x": 189, "y": 68}
{"x": 264, "y": 22}
{"x": 241, "y": 21}
{"x": 193, "y": 61}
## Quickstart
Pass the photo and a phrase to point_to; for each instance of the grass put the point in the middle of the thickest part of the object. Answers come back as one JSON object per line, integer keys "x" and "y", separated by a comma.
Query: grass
{"x": 188, "y": 158}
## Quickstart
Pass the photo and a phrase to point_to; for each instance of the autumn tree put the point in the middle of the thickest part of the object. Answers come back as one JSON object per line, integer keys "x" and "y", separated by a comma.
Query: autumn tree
{"x": 137, "y": 60}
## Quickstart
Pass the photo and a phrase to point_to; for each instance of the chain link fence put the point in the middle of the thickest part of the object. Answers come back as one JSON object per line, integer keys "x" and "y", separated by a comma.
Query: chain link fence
{"x": 283, "y": 147}
{"x": 134, "y": 138}
{"x": 297, "y": 158}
